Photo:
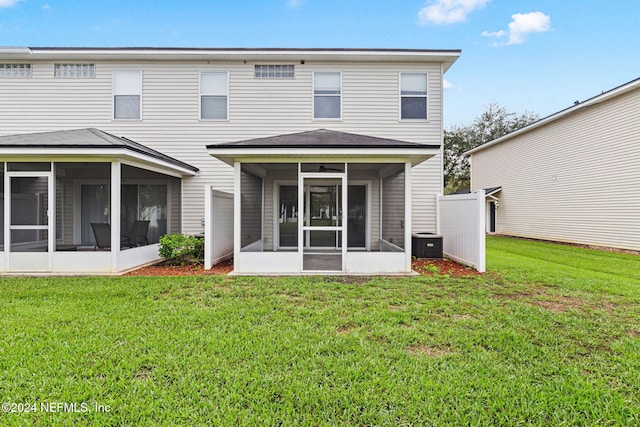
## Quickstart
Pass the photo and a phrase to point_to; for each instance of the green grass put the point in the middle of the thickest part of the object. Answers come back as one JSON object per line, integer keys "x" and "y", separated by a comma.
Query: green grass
{"x": 549, "y": 337}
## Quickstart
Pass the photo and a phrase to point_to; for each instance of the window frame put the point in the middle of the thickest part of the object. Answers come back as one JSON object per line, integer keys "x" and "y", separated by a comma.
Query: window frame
{"x": 313, "y": 94}
{"x": 200, "y": 95}
{"x": 114, "y": 94}
{"x": 26, "y": 65}
{"x": 57, "y": 66}
{"x": 425, "y": 96}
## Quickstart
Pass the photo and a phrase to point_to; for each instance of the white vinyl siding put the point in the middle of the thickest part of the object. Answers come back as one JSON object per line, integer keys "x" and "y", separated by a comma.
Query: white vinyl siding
{"x": 127, "y": 95}
{"x": 259, "y": 108}
{"x": 214, "y": 96}
{"x": 327, "y": 95}
{"x": 572, "y": 180}
{"x": 413, "y": 96}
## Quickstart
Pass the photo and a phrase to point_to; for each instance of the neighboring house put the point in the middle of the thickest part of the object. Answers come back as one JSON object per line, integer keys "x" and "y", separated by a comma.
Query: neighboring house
{"x": 571, "y": 177}
{"x": 102, "y": 145}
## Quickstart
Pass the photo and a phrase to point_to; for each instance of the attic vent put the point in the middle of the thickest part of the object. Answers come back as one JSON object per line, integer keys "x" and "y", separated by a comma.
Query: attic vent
{"x": 275, "y": 71}
{"x": 78, "y": 71}
{"x": 15, "y": 70}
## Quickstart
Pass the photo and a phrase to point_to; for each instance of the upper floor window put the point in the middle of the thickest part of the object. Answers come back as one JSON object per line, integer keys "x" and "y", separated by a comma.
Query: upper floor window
{"x": 275, "y": 71}
{"x": 15, "y": 71}
{"x": 214, "y": 95}
{"x": 413, "y": 96}
{"x": 327, "y": 95}
{"x": 127, "y": 94}
{"x": 78, "y": 71}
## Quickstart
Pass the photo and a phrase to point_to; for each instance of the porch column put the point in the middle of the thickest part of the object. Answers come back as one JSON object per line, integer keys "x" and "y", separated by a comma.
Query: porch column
{"x": 237, "y": 215}
{"x": 407, "y": 216}
{"x": 116, "y": 178}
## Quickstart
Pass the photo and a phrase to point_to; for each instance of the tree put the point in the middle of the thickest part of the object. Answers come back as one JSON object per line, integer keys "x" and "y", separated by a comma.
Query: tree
{"x": 493, "y": 123}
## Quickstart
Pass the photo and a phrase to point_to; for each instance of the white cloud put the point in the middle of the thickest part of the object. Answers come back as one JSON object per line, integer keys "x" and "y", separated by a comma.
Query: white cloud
{"x": 522, "y": 24}
{"x": 448, "y": 11}
{"x": 8, "y": 3}
{"x": 447, "y": 84}
{"x": 294, "y": 3}
{"x": 46, "y": 7}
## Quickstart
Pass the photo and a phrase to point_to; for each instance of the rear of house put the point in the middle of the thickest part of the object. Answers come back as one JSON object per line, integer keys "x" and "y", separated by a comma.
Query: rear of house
{"x": 121, "y": 140}
{"x": 570, "y": 177}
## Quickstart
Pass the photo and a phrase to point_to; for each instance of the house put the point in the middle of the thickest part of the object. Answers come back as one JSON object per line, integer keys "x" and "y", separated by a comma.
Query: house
{"x": 570, "y": 177}
{"x": 332, "y": 156}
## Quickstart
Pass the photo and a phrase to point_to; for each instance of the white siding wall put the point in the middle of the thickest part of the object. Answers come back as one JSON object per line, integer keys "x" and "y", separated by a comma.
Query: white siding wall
{"x": 573, "y": 180}
{"x": 257, "y": 108}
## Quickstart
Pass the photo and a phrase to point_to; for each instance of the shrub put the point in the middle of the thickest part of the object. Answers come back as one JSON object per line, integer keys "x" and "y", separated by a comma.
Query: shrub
{"x": 182, "y": 249}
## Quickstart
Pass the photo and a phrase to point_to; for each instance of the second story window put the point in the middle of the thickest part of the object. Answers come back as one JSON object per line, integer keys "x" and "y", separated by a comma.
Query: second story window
{"x": 274, "y": 71}
{"x": 15, "y": 71}
{"x": 214, "y": 96}
{"x": 76, "y": 71}
{"x": 327, "y": 95}
{"x": 127, "y": 95}
{"x": 413, "y": 96}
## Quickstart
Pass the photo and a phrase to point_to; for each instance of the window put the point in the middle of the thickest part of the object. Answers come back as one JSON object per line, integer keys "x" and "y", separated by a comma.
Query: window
{"x": 327, "y": 90}
{"x": 214, "y": 96}
{"x": 127, "y": 95}
{"x": 275, "y": 71}
{"x": 413, "y": 96}
{"x": 15, "y": 71}
{"x": 77, "y": 71}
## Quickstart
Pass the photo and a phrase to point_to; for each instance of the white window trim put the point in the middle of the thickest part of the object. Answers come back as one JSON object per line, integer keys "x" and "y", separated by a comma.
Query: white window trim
{"x": 113, "y": 96}
{"x": 313, "y": 96}
{"x": 200, "y": 95}
{"x": 400, "y": 119}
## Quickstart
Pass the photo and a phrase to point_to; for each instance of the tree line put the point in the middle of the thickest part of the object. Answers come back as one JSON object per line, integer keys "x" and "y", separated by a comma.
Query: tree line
{"x": 493, "y": 123}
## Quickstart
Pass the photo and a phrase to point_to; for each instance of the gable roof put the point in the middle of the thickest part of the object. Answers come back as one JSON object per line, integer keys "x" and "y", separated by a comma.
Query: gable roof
{"x": 90, "y": 138}
{"x": 605, "y": 96}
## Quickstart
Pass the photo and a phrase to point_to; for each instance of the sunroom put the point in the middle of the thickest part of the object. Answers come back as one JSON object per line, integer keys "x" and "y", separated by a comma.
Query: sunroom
{"x": 84, "y": 201}
{"x": 322, "y": 202}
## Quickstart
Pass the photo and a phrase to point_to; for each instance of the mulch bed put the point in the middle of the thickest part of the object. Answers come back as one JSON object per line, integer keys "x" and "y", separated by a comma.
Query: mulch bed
{"x": 432, "y": 267}
{"x": 426, "y": 267}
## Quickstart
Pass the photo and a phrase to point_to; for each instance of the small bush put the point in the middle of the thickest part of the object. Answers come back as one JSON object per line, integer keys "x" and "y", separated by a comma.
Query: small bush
{"x": 182, "y": 249}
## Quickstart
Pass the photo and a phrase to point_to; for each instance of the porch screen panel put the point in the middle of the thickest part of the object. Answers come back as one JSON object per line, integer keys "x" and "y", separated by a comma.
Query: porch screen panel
{"x": 251, "y": 209}
{"x": 393, "y": 207}
{"x": 29, "y": 206}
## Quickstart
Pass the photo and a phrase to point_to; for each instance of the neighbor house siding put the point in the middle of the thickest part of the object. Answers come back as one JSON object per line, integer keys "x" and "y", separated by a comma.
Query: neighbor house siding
{"x": 257, "y": 108}
{"x": 573, "y": 180}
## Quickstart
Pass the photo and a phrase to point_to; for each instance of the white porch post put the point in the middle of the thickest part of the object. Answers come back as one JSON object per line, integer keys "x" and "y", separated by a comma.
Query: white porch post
{"x": 301, "y": 217}
{"x": 237, "y": 214}
{"x": 116, "y": 178}
{"x": 407, "y": 216}
{"x": 7, "y": 215}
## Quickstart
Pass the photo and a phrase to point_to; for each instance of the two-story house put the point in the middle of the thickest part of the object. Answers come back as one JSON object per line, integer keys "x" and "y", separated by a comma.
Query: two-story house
{"x": 333, "y": 155}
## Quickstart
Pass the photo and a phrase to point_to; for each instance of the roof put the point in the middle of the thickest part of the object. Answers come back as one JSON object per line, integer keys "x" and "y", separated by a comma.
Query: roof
{"x": 445, "y": 56}
{"x": 322, "y": 138}
{"x": 604, "y": 96}
{"x": 89, "y": 138}
{"x": 487, "y": 191}
{"x": 323, "y": 144}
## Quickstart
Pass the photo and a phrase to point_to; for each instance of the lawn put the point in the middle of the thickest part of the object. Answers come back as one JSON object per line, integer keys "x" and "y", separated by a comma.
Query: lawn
{"x": 550, "y": 336}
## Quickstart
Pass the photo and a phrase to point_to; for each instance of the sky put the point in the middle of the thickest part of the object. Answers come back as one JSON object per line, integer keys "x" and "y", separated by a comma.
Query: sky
{"x": 535, "y": 56}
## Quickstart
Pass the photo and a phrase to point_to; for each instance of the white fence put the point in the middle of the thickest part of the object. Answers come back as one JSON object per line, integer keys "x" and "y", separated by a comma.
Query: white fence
{"x": 461, "y": 219}
{"x": 218, "y": 226}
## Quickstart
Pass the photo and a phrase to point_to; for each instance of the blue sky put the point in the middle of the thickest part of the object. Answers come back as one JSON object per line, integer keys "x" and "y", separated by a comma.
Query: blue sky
{"x": 537, "y": 56}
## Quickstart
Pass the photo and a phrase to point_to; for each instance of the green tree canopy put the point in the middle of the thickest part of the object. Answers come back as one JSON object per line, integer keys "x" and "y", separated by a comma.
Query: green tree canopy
{"x": 493, "y": 123}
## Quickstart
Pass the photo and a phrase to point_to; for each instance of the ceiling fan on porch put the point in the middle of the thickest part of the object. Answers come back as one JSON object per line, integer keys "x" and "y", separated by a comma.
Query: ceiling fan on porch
{"x": 323, "y": 168}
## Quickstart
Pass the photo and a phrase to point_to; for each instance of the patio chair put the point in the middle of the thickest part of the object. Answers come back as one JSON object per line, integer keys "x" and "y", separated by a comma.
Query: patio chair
{"x": 138, "y": 234}
{"x": 102, "y": 233}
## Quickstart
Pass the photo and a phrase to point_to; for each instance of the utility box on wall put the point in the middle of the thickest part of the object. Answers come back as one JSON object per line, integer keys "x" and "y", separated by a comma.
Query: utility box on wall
{"x": 426, "y": 245}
